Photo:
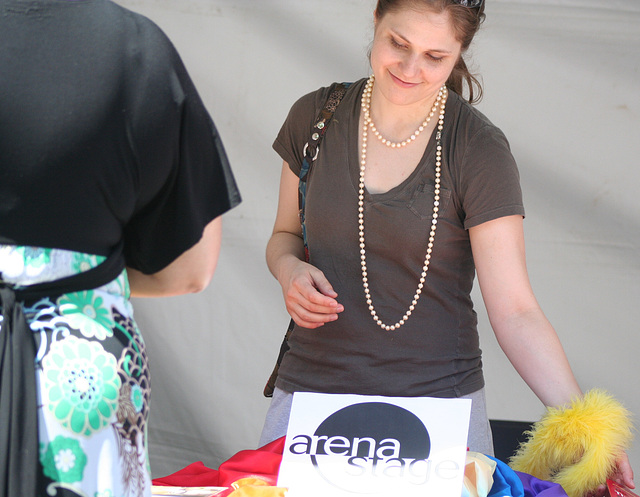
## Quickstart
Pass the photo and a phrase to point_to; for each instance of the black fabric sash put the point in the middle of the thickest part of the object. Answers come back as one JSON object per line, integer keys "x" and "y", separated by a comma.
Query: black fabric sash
{"x": 20, "y": 472}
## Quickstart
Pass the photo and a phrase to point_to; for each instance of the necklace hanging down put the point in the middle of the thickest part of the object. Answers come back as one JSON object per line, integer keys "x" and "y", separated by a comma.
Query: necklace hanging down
{"x": 440, "y": 101}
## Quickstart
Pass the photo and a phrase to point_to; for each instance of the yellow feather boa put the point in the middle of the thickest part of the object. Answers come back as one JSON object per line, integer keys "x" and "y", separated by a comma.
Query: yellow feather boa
{"x": 576, "y": 445}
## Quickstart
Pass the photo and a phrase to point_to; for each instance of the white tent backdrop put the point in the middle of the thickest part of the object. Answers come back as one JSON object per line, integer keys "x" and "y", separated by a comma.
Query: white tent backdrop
{"x": 561, "y": 80}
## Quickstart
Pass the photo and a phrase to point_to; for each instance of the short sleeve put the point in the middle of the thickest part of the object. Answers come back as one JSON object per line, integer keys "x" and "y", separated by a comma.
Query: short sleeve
{"x": 485, "y": 172}
{"x": 294, "y": 133}
{"x": 184, "y": 180}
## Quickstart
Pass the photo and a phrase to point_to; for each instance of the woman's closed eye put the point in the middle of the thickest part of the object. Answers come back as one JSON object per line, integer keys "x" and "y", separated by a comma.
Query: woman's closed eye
{"x": 402, "y": 46}
{"x": 396, "y": 44}
{"x": 433, "y": 58}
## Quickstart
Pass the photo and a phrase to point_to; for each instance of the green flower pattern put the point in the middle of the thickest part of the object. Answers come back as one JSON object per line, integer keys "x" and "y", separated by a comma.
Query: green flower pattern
{"x": 137, "y": 398}
{"x": 105, "y": 493}
{"x": 81, "y": 384}
{"x": 94, "y": 378}
{"x": 64, "y": 460}
{"x": 84, "y": 262}
{"x": 85, "y": 311}
{"x": 36, "y": 257}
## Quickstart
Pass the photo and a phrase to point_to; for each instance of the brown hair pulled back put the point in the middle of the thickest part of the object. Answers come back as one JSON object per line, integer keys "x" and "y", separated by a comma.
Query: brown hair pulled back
{"x": 466, "y": 23}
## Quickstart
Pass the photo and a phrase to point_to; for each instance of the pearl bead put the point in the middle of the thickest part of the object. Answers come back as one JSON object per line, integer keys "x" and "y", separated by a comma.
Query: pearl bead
{"x": 368, "y": 122}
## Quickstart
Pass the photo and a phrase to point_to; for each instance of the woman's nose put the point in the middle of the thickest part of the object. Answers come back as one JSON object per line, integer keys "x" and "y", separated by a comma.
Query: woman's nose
{"x": 410, "y": 65}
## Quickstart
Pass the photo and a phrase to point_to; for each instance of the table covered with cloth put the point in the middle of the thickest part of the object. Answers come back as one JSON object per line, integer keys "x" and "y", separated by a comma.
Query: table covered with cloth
{"x": 263, "y": 465}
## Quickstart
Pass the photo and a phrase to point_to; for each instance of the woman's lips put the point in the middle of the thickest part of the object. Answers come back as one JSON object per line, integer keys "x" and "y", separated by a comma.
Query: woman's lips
{"x": 402, "y": 83}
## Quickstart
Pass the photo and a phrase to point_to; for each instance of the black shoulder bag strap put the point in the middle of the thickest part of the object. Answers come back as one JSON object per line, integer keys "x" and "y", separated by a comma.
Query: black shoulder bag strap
{"x": 310, "y": 152}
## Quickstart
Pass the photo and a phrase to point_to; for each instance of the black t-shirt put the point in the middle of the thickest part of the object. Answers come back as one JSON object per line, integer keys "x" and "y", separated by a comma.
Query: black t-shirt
{"x": 103, "y": 136}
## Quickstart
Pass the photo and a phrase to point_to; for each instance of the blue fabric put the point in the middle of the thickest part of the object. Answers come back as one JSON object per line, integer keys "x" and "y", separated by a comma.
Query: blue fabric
{"x": 506, "y": 483}
{"x": 510, "y": 483}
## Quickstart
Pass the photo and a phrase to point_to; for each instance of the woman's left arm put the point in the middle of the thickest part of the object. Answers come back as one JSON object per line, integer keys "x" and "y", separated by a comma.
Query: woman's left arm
{"x": 521, "y": 328}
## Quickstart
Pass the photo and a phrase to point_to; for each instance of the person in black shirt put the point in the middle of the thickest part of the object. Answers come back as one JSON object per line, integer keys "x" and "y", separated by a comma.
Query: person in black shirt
{"x": 113, "y": 179}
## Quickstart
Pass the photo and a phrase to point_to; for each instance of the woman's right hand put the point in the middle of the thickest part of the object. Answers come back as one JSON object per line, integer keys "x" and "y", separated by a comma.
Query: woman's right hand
{"x": 309, "y": 297}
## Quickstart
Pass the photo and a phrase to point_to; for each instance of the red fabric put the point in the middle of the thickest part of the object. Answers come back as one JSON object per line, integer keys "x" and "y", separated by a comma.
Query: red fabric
{"x": 263, "y": 463}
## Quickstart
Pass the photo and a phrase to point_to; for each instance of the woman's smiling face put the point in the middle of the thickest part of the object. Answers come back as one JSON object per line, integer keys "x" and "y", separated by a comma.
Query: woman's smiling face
{"x": 414, "y": 51}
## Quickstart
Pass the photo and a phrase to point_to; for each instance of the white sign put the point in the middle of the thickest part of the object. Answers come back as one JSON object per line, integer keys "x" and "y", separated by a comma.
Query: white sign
{"x": 341, "y": 445}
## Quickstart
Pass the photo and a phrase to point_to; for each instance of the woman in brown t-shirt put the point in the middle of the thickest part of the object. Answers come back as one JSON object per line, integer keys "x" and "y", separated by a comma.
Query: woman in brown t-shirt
{"x": 413, "y": 192}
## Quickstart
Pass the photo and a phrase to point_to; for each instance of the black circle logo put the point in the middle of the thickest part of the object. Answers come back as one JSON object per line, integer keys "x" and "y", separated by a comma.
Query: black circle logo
{"x": 385, "y": 443}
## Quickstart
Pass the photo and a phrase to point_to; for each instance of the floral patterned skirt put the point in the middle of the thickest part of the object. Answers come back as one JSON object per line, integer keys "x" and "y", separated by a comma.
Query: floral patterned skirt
{"x": 92, "y": 377}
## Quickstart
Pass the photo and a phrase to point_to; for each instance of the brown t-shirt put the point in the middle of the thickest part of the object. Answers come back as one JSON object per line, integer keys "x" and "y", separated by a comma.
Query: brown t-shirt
{"x": 437, "y": 351}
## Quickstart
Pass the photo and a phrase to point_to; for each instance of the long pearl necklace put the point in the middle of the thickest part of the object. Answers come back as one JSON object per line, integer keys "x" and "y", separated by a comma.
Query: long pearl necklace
{"x": 441, "y": 101}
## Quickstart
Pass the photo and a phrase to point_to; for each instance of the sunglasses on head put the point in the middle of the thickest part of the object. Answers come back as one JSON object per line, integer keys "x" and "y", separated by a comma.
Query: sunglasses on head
{"x": 469, "y": 3}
